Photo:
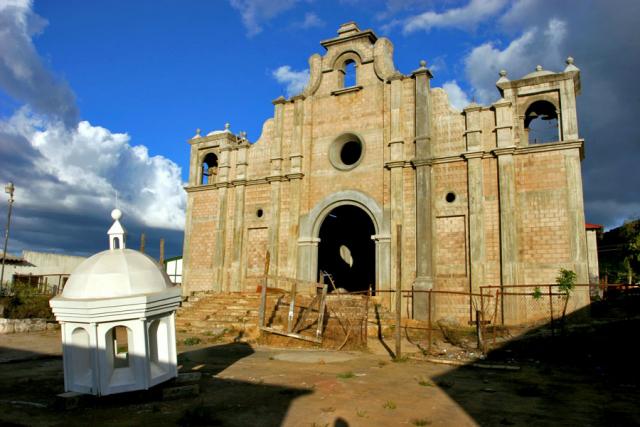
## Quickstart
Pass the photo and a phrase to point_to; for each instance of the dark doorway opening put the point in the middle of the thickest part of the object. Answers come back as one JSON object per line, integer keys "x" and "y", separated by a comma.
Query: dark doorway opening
{"x": 346, "y": 250}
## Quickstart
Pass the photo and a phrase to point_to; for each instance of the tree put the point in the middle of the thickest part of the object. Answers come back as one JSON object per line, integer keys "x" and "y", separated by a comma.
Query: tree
{"x": 631, "y": 247}
{"x": 566, "y": 281}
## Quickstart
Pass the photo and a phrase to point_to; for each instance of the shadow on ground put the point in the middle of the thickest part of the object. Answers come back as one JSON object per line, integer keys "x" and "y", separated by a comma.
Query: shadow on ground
{"x": 28, "y": 392}
{"x": 583, "y": 373}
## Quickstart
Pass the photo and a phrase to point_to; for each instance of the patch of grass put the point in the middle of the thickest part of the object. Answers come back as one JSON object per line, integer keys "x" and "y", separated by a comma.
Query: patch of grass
{"x": 192, "y": 341}
{"x": 400, "y": 359}
{"x": 346, "y": 375}
{"x": 425, "y": 383}
{"x": 389, "y": 404}
{"x": 361, "y": 413}
{"x": 420, "y": 422}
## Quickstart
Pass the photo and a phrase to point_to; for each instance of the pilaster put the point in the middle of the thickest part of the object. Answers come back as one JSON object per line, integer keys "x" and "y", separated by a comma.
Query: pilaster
{"x": 275, "y": 184}
{"x": 508, "y": 231}
{"x": 422, "y": 163}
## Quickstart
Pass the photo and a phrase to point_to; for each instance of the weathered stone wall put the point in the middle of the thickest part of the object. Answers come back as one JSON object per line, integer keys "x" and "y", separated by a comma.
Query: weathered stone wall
{"x": 514, "y": 214}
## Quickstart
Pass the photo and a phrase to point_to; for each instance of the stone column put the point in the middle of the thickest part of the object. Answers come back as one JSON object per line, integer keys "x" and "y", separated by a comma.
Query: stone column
{"x": 295, "y": 176}
{"x": 422, "y": 163}
{"x": 507, "y": 206}
{"x": 240, "y": 184}
{"x": 275, "y": 179}
{"x": 508, "y": 232}
{"x": 221, "y": 184}
{"x": 473, "y": 156}
{"x": 395, "y": 165}
{"x": 308, "y": 259}
{"x": 383, "y": 262}
{"x": 577, "y": 232}
{"x": 567, "y": 116}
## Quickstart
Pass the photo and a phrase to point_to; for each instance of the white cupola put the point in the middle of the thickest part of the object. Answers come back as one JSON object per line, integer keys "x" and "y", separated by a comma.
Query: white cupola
{"x": 117, "y": 314}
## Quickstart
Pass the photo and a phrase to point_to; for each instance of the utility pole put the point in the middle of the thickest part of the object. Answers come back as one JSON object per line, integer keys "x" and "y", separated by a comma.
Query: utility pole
{"x": 9, "y": 189}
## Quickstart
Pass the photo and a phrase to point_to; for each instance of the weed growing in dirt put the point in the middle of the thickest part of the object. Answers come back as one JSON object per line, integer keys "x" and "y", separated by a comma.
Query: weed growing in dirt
{"x": 421, "y": 422}
{"x": 389, "y": 404}
{"x": 361, "y": 413}
{"x": 425, "y": 383}
{"x": 191, "y": 341}
{"x": 400, "y": 359}
{"x": 346, "y": 375}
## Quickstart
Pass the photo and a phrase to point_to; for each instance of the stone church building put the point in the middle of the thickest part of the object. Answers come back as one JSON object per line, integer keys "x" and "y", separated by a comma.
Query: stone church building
{"x": 491, "y": 195}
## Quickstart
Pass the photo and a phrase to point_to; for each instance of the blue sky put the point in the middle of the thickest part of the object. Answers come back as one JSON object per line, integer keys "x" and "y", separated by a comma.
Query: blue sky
{"x": 101, "y": 96}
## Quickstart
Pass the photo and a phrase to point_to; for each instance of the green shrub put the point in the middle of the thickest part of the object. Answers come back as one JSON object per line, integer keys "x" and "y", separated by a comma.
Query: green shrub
{"x": 26, "y": 303}
{"x": 566, "y": 281}
{"x": 192, "y": 341}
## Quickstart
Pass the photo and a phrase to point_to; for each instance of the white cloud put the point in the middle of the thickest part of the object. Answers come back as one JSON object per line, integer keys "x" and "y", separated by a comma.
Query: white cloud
{"x": 80, "y": 169}
{"x": 255, "y": 12}
{"x": 457, "y": 97}
{"x": 519, "y": 58}
{"x": 463, "y": 17}
{"x": 66, "y": 172}
{"x": 294, "y": 81}
{"x": 311, "y": 20}
{"x": 23, "y": 76}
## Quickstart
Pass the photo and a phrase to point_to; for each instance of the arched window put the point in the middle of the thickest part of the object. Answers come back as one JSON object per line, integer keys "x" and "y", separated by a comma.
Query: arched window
{"x": 116, "y": 243}
{"x": 541, "y": 123}
{"x": 349, "y": 73}
{"x": 120, "y": 340}
{"x": 209, "y": 168}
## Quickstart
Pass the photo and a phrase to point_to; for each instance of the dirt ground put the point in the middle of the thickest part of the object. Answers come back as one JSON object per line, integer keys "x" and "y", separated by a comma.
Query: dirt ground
{"x": 584, "y": 376}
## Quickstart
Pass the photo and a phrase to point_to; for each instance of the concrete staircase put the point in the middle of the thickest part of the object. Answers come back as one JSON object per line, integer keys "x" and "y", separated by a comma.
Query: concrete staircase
{"x": 236, "y": 315}
{"x": 220, "y": 313}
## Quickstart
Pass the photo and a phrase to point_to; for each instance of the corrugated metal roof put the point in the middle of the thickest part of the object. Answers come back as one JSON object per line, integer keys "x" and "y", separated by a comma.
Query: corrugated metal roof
{"x": 11, "y": 259}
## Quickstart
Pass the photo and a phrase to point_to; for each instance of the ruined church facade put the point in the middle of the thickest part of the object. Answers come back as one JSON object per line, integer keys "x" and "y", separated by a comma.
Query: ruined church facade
{"x": 483, "y": 197}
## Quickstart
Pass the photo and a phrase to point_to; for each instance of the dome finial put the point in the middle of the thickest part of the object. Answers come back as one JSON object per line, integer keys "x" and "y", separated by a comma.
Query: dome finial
{"x": 117, "y": 233}
{"x": 571, "y": 66}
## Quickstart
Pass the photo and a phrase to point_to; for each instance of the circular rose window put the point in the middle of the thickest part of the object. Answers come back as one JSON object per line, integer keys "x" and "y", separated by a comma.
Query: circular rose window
{"x": 346, "y": 151}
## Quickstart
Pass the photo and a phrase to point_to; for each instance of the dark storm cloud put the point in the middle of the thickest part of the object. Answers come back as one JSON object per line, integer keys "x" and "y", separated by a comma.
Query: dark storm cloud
{"x": 604, "y": 38}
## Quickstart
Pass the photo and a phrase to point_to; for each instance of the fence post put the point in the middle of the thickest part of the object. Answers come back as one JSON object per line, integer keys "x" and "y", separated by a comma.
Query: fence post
{"x": 429, "y": 322}
{"x": 479, "y": 330}
{"x": 292, "y": 307}
{"x": 495, "y": 316}
{"x": 398, "y": 291}
{"x": 551, "y": 309}
{"x": 263, "y": 291}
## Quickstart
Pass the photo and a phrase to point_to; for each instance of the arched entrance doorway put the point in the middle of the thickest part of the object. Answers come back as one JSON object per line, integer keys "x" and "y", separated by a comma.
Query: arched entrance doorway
{"x": 309, "y": 238}
{"x": 346, "y": 249}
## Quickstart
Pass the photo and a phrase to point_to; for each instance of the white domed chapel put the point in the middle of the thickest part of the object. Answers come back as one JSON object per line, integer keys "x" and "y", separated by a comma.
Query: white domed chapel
{"x": 117, "y": 315}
